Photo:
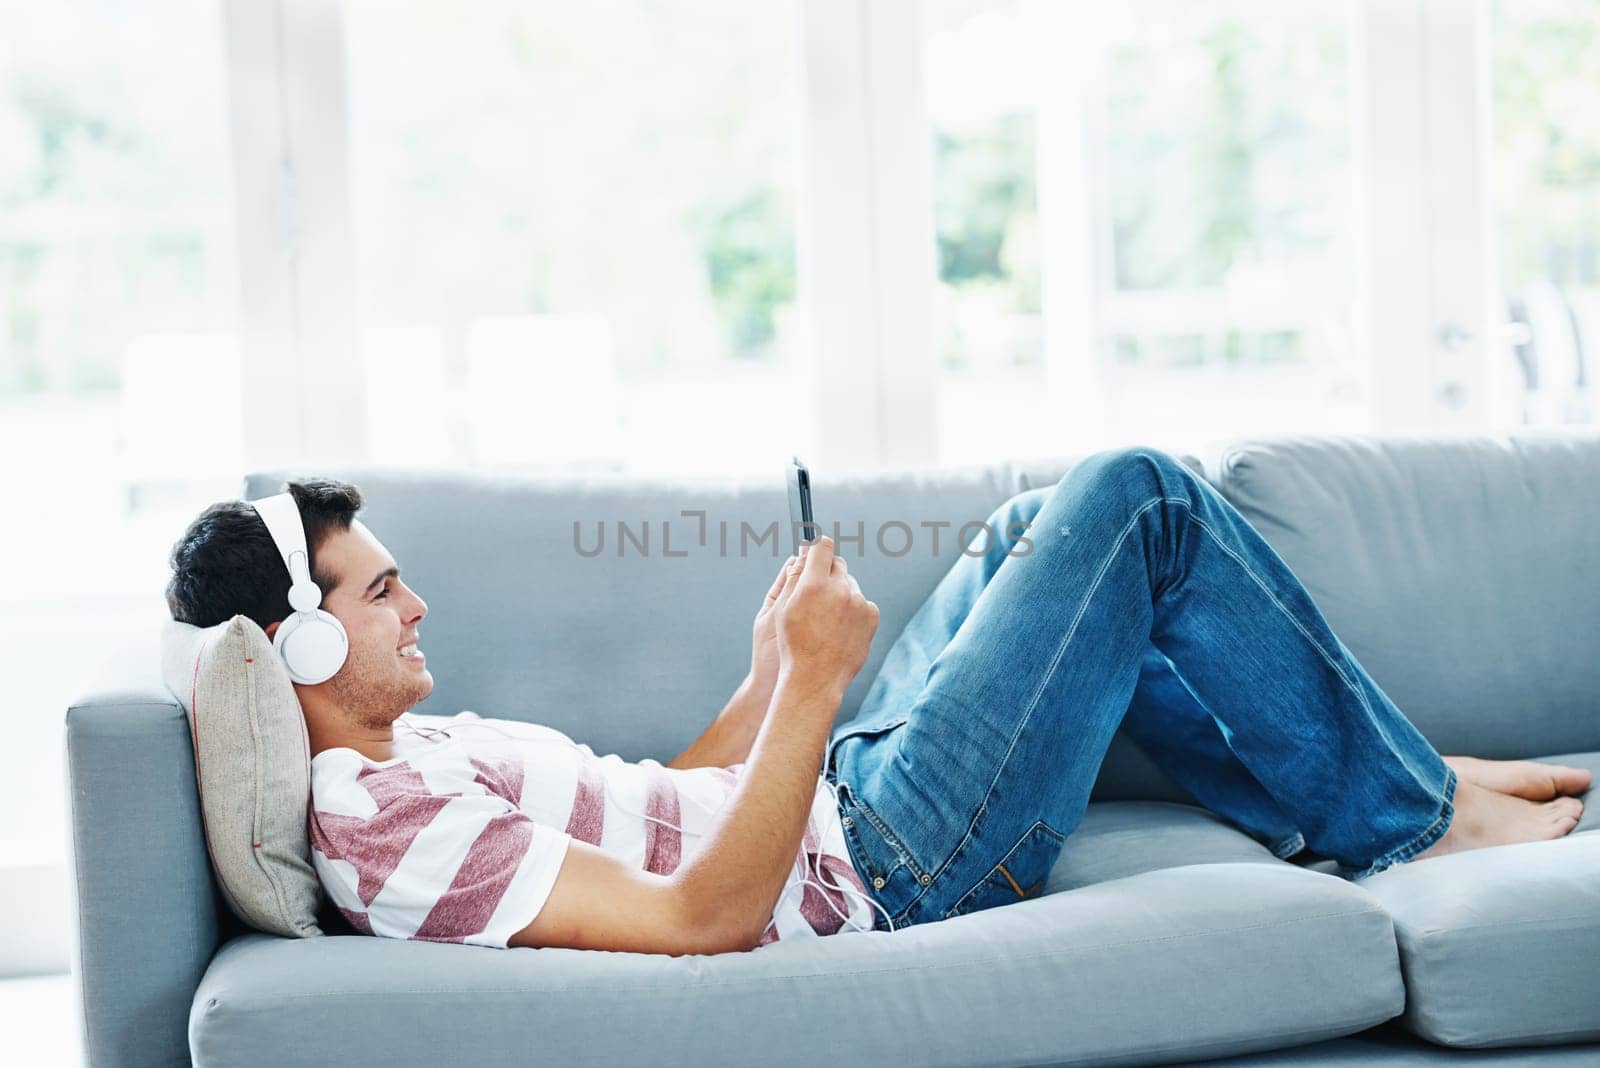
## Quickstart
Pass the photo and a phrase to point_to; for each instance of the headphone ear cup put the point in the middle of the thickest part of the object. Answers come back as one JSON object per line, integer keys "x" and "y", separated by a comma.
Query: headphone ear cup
{"x": 312, "y": 647}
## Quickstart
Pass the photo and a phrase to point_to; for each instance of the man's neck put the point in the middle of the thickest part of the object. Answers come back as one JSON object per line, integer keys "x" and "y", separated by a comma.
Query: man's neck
{"x": 373, "y": 743}
{"x": 330, "y": 728}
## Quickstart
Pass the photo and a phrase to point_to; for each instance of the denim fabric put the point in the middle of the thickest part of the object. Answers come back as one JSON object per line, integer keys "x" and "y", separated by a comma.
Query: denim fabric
{"x": 1129, "y": 594}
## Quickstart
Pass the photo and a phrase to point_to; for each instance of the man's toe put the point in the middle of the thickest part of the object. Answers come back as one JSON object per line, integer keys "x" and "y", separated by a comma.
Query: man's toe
{"x": 1571, "y": 780}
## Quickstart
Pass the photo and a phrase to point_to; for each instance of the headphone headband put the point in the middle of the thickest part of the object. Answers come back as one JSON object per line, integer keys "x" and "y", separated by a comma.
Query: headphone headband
{"x": 282, "y": 516}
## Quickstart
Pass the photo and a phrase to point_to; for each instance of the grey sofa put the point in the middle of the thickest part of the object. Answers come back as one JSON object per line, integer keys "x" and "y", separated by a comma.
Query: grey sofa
{"x": 1463, "y": 572}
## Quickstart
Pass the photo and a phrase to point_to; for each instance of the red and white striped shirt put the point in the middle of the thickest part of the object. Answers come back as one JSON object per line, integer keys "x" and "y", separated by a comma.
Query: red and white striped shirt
{"x": 460, "y": 836}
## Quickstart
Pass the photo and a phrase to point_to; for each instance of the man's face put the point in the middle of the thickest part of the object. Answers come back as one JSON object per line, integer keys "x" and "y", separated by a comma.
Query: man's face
{"x": 380, "y": 615}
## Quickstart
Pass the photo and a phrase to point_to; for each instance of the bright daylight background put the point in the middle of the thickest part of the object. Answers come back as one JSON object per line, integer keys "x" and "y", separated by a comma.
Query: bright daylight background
{"x": 695, "y": 238}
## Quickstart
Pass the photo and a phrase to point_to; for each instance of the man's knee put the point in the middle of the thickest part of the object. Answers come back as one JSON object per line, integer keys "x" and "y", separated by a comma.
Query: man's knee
{"x": 1138, "y": 465}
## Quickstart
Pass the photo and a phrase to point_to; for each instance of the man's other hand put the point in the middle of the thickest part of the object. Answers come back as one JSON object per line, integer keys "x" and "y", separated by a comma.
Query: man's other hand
{"x": 764, "y": 659}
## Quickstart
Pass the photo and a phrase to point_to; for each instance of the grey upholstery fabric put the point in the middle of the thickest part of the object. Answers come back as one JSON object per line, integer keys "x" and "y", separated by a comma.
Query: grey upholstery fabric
{"x": 1208, "y": 959}
{"x": 1391, "y": 1046}
{"x": 146, "y": 906}
{"x": 1461, "y": 572}
{"x": 1121, "y": 838}
{"x": 1502, "y": 947}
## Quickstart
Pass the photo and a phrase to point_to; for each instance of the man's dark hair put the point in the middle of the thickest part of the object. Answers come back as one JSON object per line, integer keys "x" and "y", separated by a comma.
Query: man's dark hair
{"x": 226, "y": 563}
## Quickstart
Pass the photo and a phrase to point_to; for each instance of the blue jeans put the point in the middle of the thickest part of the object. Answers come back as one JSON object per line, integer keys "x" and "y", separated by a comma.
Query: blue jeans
{"x": 1130, "y": 594}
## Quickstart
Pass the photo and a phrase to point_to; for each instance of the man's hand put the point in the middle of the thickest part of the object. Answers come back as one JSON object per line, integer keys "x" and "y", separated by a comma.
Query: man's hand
{"x": 824, "y": 622}
{"x": 764, "y": 660}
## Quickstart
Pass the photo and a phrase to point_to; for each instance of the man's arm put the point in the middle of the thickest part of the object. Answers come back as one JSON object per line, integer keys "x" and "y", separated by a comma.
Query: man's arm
{"x": 729, "y": 737}
{"x": 721, "y": 898}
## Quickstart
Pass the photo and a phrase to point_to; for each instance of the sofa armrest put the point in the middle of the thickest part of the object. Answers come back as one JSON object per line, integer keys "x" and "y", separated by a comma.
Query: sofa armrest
{"x": 146, "y": 906}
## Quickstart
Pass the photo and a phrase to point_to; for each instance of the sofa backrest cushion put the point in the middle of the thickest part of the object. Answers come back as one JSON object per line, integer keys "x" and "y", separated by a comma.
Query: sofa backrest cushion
{"x": 253, "y": 764}
{"x": 1461, "y": 572}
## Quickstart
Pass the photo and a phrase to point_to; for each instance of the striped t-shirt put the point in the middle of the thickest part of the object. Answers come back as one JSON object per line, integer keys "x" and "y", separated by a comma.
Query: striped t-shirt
{"x": 460, "y": 835}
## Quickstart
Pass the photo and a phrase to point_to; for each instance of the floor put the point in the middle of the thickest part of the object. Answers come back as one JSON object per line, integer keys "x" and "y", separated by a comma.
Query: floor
{"x": 39, "y": 1021}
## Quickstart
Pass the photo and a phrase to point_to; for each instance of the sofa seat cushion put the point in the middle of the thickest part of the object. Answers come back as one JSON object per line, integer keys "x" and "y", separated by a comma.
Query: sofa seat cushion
{"x": 1501, "y": 946}
{"x": 1204, "y": 960}
{"x": 1121, "y": 838}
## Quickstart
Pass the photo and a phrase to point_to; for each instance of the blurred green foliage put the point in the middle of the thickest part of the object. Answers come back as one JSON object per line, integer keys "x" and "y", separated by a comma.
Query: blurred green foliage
{"x": 1546, "y": 56}
{"x": 983, "y": 183}
{"x": 748, "y": 247}
{"x": 986, "y": 230}
{"x": 1227, "y": 144}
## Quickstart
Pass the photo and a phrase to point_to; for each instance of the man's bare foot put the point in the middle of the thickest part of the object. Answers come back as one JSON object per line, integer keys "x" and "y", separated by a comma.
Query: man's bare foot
{"x": 1522, "y": 778}
{"x": 1485, "y": 817}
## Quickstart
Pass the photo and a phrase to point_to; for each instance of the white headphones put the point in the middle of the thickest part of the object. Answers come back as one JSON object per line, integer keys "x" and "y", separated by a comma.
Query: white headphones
{"x": 312, "y": 643}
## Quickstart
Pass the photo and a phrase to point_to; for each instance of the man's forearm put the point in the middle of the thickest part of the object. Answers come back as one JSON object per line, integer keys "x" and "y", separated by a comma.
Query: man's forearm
{"x": 732, "y": 882}
{"x": 729, "y": 737}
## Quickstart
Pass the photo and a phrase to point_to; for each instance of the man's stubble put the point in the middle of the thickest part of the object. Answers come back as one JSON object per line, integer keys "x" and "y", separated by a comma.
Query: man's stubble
{"x": 374, "y": 690}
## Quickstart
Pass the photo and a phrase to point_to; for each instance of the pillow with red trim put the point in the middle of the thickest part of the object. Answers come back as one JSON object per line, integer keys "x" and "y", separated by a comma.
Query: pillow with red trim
{"x": 252, "y": 759}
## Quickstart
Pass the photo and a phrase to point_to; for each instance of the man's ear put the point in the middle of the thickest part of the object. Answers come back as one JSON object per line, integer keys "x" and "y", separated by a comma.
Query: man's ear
{"x": 272, "y": 629}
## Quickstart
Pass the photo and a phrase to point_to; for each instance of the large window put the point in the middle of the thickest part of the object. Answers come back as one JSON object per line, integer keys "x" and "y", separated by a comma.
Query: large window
{"x": 1546, "y": 77}
{"x": 1199, "y": 201}
{"x": 575, "y": 229}
{"x": 119, "y": 391}
{"x": 988, "y": 327}
{"x": 1226, "y": 177}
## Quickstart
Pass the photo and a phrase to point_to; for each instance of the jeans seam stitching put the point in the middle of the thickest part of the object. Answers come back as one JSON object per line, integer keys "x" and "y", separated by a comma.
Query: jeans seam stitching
{"x": 938, "y": 872}
{"x": 1427, "y": 837}
{"x": 1279, "y": 605}
{"x": 857, "y": 851}
{"x": 955, "y": 854}
{"x": 1055, "y": 662}
{"x": 888, "y": 835}
{"x": 902, "y": 854}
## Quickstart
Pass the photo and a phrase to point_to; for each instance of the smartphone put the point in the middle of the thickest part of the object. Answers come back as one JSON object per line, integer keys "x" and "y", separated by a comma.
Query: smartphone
{"x": 801, "y": 520}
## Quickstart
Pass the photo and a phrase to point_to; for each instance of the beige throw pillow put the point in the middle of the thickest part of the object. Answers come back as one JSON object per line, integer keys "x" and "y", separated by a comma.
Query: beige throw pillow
{"x": 253, "y": 762}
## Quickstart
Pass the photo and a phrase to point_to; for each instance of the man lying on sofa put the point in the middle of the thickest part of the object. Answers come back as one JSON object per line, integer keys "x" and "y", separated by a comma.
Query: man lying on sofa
{"x": 1131, "y": 594}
